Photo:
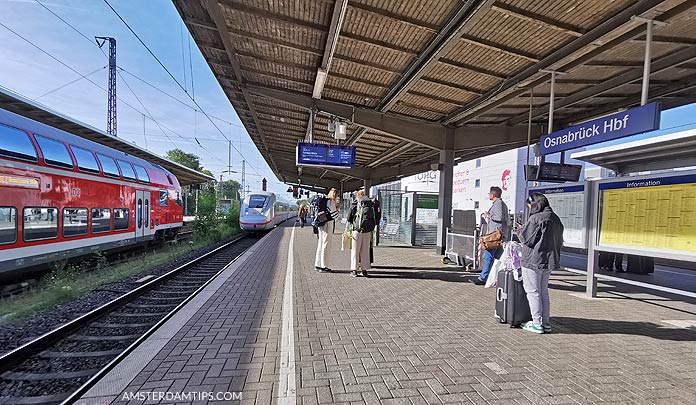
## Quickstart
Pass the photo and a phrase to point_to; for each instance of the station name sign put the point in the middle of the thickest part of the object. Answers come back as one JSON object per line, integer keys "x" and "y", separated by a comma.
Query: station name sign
{"x": 626, "y": 123}
{"x": 325, "y": 155}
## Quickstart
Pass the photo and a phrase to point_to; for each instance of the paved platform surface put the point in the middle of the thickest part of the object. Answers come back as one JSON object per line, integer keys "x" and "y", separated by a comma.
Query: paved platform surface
{"x": 414, "y": 332}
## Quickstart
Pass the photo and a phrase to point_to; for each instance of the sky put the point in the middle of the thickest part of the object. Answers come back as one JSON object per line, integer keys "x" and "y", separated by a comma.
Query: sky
{"x": 170, "y": 122}
{"x": 42, "y": 65}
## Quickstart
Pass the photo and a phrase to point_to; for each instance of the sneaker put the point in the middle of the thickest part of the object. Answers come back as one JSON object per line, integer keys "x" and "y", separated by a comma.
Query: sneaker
{"x": 364, "y": 273}
{"x": 546, "y": 327}
{"x": 353, "y": 273}
{"x": 326, "y": 269}
{"x": 530, "y": 326}
{"x": 317, "y": 268}
{"x": 479, "y": 282}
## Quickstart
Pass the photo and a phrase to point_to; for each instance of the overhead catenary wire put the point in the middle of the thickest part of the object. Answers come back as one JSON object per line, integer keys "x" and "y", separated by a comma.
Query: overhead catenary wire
{"x": 172, "y": 76}
{"x": 71, "y": 82}
{"x": 148, "y": 115}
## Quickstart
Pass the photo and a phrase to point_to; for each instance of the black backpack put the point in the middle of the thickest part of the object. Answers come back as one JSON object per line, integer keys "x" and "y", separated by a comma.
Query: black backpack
{"x": 319, "y": 204}
{"x": 365, "y": 216}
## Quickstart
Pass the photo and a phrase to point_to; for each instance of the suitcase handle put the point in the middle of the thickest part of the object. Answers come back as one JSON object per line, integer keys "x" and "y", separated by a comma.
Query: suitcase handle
{"x": 499, "y": 294}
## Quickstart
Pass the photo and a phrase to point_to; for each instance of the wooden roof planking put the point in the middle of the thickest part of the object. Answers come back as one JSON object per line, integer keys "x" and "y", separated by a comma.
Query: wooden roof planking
{"x": 455, "y": 64}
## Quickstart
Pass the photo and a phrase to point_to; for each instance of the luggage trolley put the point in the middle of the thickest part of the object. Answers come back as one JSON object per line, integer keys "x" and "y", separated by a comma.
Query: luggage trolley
{"x": 461, "y": 246}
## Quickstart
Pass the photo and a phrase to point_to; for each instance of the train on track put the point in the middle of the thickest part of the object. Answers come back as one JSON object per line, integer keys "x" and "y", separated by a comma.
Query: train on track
{"x": 260, "y": 211}
{"x": 62, "y": 196}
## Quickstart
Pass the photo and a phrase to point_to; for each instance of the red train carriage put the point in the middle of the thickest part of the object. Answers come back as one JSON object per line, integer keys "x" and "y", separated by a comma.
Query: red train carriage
{"x": 62, "y": 196}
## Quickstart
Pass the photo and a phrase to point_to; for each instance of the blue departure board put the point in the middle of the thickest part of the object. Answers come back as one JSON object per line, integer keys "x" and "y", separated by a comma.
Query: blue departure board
{"x": 320, "y": 154}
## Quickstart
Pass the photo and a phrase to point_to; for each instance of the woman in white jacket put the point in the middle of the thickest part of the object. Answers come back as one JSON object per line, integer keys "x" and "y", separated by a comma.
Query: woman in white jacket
{"x": 325, "y": 234}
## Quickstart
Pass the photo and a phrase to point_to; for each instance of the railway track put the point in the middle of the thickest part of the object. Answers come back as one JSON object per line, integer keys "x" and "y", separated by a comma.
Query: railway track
{"x": 63, "y": 364}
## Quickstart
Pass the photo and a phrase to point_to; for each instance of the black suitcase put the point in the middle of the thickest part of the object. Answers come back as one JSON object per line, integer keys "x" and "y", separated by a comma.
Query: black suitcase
{"x": 640, "y": 264}
{"x": 606, "y": 260}
{"x": 511, "y": 305}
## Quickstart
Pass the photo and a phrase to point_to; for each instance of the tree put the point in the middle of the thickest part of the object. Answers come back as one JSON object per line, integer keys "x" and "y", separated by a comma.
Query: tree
{"x": 230, "y": 189}
{"x": 187, "y": 159}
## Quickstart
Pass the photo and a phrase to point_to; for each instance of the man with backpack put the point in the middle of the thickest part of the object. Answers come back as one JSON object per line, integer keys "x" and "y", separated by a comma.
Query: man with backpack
{"x": 323, "y": 222}
{"x": 302, "y": 215}
{"x": 362, "y": 221}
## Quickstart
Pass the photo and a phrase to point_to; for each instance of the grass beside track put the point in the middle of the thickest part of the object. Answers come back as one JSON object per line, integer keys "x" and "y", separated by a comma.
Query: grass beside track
{"x": 73, "y": 282}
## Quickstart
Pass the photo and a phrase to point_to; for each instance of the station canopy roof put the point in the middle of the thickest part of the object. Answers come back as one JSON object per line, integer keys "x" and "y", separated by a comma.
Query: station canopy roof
{"x": 415, "y": 76}
{"x": 19, "y": 105}
{"x": 677, "y": 150}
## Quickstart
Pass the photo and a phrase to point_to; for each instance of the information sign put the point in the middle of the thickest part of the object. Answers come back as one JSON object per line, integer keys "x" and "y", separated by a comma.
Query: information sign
{"x": 569, "y": 204}
{"x": 630, "y": 122}
{"x": 325, "y": 155}
{"x": 657, "y": 213}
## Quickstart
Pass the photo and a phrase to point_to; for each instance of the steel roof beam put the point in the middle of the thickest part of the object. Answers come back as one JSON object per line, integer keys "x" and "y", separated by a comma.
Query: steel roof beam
{"x": 516, "y": 53}
{"x": 422, "y": 133}
{"x": 215, "y": 13}
{"x": 474, "y": 137}
{"x": 534, "y": 18}
{"x": 422, "y": 25}
{"x": 520, "y": 82}
{"x": 655, "y": 93}
{"x": 391, "y": 152}
{"x": 472, "y": 68}
{"x": 666, "y": 62}
{"x": 339, "y": 14}
{"x": 445, "y": 40}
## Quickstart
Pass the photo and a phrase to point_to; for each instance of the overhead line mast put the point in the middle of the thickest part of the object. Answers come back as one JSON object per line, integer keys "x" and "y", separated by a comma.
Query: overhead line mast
{"x": 111, "y": 113}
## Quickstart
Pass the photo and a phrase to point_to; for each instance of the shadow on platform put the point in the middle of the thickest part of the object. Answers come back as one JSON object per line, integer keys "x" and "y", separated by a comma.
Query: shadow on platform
{"x": 583, "y": 326}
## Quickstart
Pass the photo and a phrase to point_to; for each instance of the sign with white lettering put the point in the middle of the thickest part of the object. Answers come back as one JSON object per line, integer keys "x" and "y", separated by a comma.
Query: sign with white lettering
{"x": 325, "y": 155}
{"x": 630, "y": 122}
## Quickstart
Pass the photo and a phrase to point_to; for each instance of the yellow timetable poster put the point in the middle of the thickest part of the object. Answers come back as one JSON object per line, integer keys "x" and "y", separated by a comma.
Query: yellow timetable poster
{"x": 659, "y": 217}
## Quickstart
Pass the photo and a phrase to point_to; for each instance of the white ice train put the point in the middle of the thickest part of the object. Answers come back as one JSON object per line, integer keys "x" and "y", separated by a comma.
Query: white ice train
{"x": 260, "y": 211}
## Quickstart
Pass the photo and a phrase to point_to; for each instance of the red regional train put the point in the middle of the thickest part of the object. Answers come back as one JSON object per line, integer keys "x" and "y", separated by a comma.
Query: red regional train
{"x": 62, "y": 196}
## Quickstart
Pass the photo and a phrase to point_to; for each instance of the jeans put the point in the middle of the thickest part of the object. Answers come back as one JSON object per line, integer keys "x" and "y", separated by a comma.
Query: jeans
{"x": 488, "y": 256}
{"x": 536, "y": 285}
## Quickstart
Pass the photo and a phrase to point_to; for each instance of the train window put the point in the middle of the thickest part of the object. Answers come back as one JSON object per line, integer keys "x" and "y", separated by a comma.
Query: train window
{"x": 257, "y": 201}
{"x": 15, "y": 143}
{"x": 164, "y": 198}
{"x": 121, "y": 218}
{"x": 139, "y": 214}
{"x": 55, "y": 153}
{"x": 147, "y": 213}
{"x": 8, "y": 225}
{"x": 127, "y": 170}
{"x": 40, "y": 223}
{"x": 74, "y": 222}
{"x": 170, "y": 180}
{"x": 142, "y": 174}
{"x": 108, "y": 165}
{"x": 101, "y": 220}
{"x": 86, "y": 161}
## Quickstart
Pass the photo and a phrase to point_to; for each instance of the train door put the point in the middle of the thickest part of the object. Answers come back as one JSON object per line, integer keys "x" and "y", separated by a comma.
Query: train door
{"x": 142, "y": 214}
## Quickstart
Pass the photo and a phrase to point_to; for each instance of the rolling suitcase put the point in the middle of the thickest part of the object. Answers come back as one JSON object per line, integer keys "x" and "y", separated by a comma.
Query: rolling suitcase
{"x": 640, "y": 264}
{"x": 606, "y": 260}
{"x": 511, "y": 305}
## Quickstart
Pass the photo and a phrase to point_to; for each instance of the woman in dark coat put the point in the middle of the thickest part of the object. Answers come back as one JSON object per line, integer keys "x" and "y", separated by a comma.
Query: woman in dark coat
{"x": 542, "y": 239}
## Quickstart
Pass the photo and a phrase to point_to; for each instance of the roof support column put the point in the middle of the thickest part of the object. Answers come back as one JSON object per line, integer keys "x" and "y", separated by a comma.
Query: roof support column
{"x": 444, "y": 198}
{"x": 647, "y": 60}
{"x": 552, "y": 99}
{"x": 646, "y": 64}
